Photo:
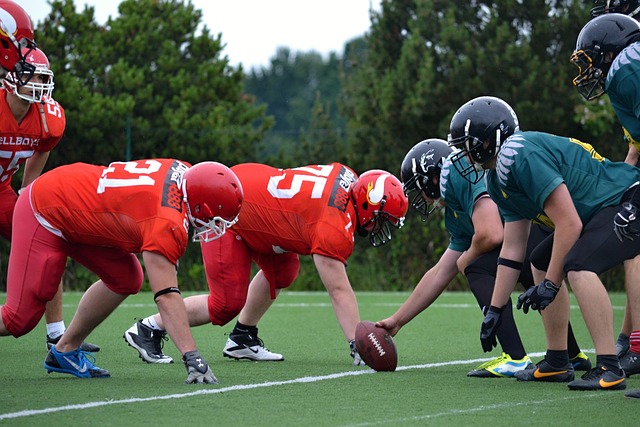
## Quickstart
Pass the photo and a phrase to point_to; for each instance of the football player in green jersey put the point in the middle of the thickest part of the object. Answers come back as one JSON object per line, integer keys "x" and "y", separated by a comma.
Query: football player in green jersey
{"x": 566, "y": 184}
{"x": 607, "y": 55}
{"x": 475, "y": 229}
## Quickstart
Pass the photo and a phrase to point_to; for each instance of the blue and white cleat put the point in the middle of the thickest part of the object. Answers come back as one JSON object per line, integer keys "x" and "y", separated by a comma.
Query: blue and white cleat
{"x": 76, "y": 362}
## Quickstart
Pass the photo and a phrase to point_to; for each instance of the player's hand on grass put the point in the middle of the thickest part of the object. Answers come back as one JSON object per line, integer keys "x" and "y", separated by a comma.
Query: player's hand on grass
{"x": 357, "y": 360}
{"x": 538, "y": 297}
{"x": 490, "y": 324}
{"x": 198, "y": 369}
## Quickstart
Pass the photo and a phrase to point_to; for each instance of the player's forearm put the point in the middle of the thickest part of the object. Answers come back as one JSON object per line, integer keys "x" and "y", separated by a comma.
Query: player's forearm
{"x": 345, "y": 307}
{"x": 428, "y": 289}
{"x": 33, "y": 167}
{"x": 564, "y": 239}
{"x": 506, "y": 280}
{"x": 174, "y": 317}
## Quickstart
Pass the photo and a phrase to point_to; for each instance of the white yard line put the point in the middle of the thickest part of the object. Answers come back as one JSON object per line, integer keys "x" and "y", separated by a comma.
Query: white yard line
{"x": 207, "y": 391}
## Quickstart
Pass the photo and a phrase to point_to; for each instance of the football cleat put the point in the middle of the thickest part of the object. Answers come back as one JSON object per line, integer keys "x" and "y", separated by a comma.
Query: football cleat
{"x": 543, "y": 371}
{"x": 630, "y": 363}
{"x": 622, "y": 345}
{"x": 581, "y": 362}
{"x": 246, "y": 346}
{"x": 85, "y": 346}
{"x": 503, "y": 366}
{"x": 76, "y": 362}
{"x": 148, "y": 342}
{"x": 633, "y": 393}
{"x": 599, "y": 378}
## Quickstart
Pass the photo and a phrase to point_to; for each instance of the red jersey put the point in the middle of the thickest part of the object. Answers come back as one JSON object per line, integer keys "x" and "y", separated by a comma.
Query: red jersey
{"x": 305, "y": 210}
{"x": 133, "y": 206}
{"x": 40, "y": 130}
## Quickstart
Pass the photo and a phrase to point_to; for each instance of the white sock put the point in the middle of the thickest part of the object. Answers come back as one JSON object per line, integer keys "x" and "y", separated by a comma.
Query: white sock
{"x": 151, "y": 322}
{"x": 55, "y": 329}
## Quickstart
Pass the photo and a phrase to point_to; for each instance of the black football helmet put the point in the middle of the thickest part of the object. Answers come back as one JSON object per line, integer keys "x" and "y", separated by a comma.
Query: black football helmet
{"x": 478, "y": 129}
{"x": 604, "y": 34}
{"x": 420, "y": 173}
{"x": 627, "y": 7}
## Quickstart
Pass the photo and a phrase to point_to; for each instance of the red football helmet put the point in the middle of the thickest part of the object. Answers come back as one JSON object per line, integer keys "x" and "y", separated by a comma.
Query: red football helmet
{"x": 16, "y": 34}
{"x": 41, "y": 85}
{"x": 380, "y": 202}
{"x": 213, "y": 195}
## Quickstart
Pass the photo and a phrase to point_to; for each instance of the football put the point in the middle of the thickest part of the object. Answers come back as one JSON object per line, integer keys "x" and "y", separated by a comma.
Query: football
{"x": 376, "y": 347}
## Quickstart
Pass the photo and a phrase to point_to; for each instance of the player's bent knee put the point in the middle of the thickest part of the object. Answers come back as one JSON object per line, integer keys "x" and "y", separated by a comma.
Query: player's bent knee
{"x": 220, "y": 314}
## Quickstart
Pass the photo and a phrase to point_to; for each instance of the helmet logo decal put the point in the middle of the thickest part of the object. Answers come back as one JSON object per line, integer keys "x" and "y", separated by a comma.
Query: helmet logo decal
{"x": 8, "y": 24}
{"x": 426, "y": 156}
{"x": 375, "y": 194}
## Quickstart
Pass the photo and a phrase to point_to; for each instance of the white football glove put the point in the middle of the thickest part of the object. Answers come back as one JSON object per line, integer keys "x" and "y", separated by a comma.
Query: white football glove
{"x": 198, "y": 370}
{"x": 357, "y": 360}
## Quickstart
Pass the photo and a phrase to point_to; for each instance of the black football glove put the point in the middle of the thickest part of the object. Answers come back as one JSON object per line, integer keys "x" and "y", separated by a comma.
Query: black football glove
{"x": 625, "y": 224}
{"x": 357, "y": 360}
{"x": 490, "y": 324}
{"x": 538, "y": 297}
{"x": 198, "y": 370}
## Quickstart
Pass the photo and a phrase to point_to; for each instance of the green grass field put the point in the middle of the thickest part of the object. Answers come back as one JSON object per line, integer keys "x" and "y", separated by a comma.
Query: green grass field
{"x": 316, "y": 384}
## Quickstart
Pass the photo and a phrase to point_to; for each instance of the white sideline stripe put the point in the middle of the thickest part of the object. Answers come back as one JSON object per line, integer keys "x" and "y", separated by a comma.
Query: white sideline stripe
{"x": 90, "y": 405}
{"x": 397, "y": 421}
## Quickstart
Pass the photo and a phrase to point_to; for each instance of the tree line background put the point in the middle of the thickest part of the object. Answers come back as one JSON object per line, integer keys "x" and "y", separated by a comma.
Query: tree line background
{"x": 154, "y": 81}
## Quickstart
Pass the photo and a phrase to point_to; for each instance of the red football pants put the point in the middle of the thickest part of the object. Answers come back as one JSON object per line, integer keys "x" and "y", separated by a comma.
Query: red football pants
{"x": 36, "y": 264}
{"x": 227, "y": 263}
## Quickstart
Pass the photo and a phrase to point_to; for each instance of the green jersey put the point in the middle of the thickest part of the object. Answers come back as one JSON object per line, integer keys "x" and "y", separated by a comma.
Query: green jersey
{"x": 460, "y": 196}
{"x": 623, "y": 87}
{"x": 530, "y": 165}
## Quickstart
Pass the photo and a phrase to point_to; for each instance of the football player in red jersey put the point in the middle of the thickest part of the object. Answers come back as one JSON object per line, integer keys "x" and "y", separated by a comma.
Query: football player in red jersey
{"x": 102, "y": 217}
{"x": 31, "y": 125}
{"x": 311, "y": 210}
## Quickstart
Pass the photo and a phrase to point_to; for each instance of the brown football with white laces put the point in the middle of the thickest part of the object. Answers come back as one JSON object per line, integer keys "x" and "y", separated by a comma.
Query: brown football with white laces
{"x": 376, "y": 347}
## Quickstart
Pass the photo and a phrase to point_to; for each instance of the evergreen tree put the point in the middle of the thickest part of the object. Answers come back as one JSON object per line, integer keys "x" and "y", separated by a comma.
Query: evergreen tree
{"x": 155, "y": 74}
{"x": 153, "y": 70}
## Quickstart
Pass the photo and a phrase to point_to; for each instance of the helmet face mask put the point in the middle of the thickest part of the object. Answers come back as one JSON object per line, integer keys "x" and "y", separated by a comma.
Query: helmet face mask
{"x": 590, "y": 79}
{"x": 420, "y": 173}
{"x": 213, "y": 197}
{"x": 626, "y": 7}
{"x": 380, "y": 205}
{"x": 413, "y": 190}
{"x": 478, "y": 130}
{"x": 464, "y": 161}
{"x": 598, "y": 43}
{"x": 40, "y": 86}
{"x": 379, "y": 227}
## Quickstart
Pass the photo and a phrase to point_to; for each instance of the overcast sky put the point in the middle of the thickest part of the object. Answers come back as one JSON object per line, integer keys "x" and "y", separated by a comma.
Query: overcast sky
{"x": 253, "y": 29}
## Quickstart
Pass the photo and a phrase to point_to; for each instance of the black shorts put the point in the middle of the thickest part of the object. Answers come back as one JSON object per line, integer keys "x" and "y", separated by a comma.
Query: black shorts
{"x": 597, "y": 250}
